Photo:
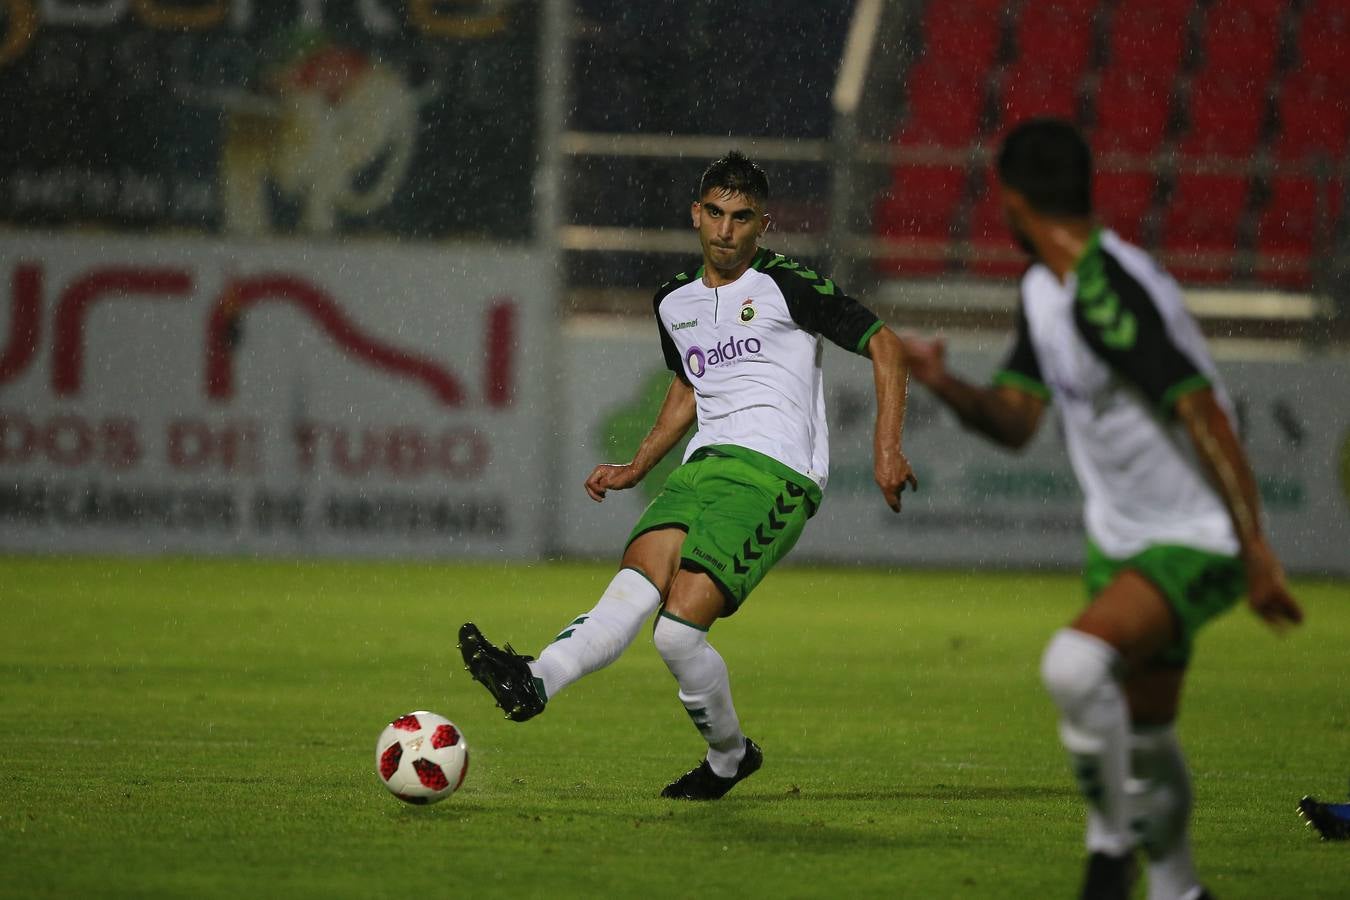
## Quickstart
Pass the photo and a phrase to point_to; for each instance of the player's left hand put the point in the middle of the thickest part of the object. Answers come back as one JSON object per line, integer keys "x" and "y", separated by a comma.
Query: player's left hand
{"x": 892, "y": 473}
{"x": 1267, "y": 593}
{"x": 608, "y": 477}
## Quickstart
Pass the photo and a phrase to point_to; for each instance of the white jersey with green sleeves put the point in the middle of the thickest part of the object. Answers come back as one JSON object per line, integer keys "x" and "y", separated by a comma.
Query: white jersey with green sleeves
{"x": 752, "y": 350}
{"x": 1113, "y": 347}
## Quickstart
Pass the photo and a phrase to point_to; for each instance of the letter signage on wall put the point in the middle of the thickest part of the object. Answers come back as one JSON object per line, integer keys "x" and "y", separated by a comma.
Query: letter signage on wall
{"x": 197, "y": 396}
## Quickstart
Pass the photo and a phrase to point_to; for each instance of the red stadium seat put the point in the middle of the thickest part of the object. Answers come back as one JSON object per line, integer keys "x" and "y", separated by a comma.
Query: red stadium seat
{"x": 921, "y": 200}
{"x": 1269, "y": 9}
{"x": 961, "y": 34}
{"x": 944, "y": 106}
{"x": 1200, "y": 234}
{"x": 1225, "y": 119}
{"x": 1240, "y": 43}
{"x": 1177, "y": 9}
{"x": 1029, "y": 91}
{"x": 917, "y": 212}
{"x": 1147, "y": 38}
{"x": 993, "y": 8}
{"x": 1314, "y": 114}
{"x": 1123, "y": 200}
{"x": 1133, "y": 110}
{"x": 1082, "y": 9}
{"x": 1324, "y": 39}
{"x": 1054, "y": 39}
{"x": 1295, "y": 227}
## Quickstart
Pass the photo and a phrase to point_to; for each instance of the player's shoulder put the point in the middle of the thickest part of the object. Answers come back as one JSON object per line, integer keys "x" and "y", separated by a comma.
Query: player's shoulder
{"x": 680, "y": 280}
{"x": 794, "y": 277}
{"x": 1036, "y": 277}
{"x": 1040, "y": 295}
{"x": 1133, "y": 272}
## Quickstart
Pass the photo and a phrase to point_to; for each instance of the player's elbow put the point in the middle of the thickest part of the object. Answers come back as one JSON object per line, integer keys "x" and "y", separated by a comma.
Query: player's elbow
{"x": 1012, "y": 418}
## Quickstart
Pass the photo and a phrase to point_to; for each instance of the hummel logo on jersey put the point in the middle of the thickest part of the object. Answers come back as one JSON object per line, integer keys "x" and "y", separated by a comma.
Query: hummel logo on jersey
{"x": 678, "y": 325}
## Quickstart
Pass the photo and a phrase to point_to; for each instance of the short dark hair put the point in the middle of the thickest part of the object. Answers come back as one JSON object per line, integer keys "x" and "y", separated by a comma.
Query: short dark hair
{"x": 735, "y": 173}
{"x": 1048, "y": 162}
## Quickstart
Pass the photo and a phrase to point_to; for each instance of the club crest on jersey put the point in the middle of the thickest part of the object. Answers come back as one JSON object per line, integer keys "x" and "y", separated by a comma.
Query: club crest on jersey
{"x": 747, "y": 310}
{"x": 697, "y": 360}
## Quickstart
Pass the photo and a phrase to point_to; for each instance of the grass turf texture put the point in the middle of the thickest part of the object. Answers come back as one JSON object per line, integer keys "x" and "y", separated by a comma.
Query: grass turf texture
{"x": 207, "y": 728}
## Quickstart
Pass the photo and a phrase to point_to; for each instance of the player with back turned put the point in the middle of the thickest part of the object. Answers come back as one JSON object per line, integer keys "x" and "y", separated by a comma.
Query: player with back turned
{"x": 742, "y": 337}
{"x": 1172, "y": 512}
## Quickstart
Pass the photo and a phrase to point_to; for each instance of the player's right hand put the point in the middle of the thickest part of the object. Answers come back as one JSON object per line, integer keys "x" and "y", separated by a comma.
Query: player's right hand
{"x": 1267, "y": 593}
{"x": 607, "y": 477}
{"x": 924, "y": 357}
{"x": 893, "y": 475}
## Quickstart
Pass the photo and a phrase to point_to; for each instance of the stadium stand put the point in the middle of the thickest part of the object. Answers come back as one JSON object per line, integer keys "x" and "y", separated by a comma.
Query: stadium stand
{"x": 1221, "y": 129}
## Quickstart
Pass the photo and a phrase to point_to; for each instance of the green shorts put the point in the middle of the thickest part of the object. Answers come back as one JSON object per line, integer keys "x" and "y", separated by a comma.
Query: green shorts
{"x": 741, "y": 511}
{"x": 1198, "y": 585}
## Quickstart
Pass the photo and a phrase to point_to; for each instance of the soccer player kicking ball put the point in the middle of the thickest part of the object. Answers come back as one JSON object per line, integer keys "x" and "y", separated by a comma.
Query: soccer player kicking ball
{"x": 742, "y": 337}
{"x": 1171, "y": 507}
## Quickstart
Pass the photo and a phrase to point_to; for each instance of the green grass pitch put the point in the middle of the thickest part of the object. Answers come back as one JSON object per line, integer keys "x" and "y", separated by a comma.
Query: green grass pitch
{"x": 207, "y": 729}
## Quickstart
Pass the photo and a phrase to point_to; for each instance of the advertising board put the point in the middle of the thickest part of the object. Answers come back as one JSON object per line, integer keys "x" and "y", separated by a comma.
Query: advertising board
{"x": 977, "y": 505}
{"x": 275, "y": 398}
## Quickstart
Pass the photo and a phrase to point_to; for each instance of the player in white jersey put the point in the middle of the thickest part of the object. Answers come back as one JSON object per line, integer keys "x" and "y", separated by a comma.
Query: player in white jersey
{"x": 742, "y": 337}
{"x": 1171, "y": 507}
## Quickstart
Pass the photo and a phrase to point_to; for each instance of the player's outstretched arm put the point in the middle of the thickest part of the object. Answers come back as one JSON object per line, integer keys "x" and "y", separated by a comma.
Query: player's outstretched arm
{"x": 1005, "y": 415}
{"x": 676, "y": 415}
{"x": 1225, "y": 462}
{"x": 890, "y": 467}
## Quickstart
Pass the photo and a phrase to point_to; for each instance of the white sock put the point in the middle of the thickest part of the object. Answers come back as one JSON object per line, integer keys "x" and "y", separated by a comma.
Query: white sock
{"x": 1160, "y": 804}
{"x": 1079, "y": 671}
{"x": 596, "y": 639}
{"x": 705, "y": 690}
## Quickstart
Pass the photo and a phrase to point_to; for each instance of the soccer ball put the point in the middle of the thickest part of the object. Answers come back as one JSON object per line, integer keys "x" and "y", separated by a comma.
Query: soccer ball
{"x": 422, "y": 757}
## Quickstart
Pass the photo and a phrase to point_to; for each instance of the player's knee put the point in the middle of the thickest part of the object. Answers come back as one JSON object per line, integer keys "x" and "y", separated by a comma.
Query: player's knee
{"x": 1075, "y": 665}
{"x": 676, "y": 640}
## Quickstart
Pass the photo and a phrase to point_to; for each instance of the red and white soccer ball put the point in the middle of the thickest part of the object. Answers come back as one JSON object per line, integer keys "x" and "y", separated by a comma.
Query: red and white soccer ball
{"x": 422, "y": 757}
